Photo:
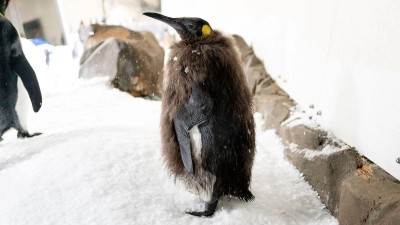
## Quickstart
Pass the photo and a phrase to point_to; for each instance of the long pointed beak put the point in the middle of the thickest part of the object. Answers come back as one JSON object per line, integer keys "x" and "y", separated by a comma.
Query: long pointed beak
{"x": 173, "y": 22}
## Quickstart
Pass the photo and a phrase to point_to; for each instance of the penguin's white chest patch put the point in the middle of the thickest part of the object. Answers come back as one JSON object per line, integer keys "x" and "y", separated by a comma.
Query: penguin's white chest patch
{"x": 203, "y": 182}
{"x": 22, "y": 106}
{"x": 195, "y": 141}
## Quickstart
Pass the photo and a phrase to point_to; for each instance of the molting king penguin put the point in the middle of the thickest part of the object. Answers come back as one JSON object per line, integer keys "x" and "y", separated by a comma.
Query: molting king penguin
{"x": 13, "y": 64}
{"x": 207, "y": 124}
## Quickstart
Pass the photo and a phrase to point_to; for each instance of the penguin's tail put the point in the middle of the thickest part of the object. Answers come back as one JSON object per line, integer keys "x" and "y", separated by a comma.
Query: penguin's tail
{"x": 246, "y": 196}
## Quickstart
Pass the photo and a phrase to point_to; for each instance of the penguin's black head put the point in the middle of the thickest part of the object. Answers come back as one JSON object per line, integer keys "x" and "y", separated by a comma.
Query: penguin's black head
{"x": 4, "y": 5}
{"x": 186, "y": 27}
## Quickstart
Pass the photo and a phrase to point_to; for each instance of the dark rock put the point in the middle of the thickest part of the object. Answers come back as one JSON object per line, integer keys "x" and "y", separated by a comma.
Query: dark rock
{"x": 303, "y": 136}
{"x": 327, "y": 172}
{"x": 274, "y": 108}
{"x": 369, "y": 201}
{"x": 133, "y": 60}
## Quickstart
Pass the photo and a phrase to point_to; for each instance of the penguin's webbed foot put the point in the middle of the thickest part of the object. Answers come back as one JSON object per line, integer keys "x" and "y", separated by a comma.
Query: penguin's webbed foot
{"x": 27, "y": 135}
{"x": 210, "y": 210}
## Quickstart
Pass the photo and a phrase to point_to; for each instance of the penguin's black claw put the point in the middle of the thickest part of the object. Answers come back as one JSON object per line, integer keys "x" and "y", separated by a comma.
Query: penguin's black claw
{"x": 27, "y": 135}
{"x": 210, "y": 210}
{"x": 201, "y": 214}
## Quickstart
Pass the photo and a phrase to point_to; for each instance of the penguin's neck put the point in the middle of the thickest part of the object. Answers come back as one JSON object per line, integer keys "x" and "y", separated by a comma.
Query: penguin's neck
{"x": 3, "y": 9}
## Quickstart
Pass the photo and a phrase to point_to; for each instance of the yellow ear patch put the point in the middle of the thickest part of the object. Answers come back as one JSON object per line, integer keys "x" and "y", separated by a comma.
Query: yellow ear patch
{"x": 206, "y": 30}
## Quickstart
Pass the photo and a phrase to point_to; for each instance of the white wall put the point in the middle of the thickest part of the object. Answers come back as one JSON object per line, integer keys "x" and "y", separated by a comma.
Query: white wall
{"x": 76, "y": 11}
{"x": 45, "y": 10}
{"x": 341, "y": 56}
{"x": 116, "y": 11}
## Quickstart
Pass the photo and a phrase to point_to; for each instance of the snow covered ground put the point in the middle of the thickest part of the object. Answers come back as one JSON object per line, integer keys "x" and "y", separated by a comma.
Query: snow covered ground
{"x": 98, "y": 162}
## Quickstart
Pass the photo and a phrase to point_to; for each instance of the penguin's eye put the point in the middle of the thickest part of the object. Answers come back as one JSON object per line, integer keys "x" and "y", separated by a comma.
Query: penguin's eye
{"x": 191, "y": 26}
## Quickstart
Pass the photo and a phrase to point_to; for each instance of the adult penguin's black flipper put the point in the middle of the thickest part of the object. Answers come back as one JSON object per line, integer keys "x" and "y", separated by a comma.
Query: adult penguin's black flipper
{"x": 21, "y": 66}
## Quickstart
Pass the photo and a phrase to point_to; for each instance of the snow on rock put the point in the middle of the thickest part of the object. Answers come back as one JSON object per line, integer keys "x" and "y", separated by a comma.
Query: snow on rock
{"x": 99, "y": 162}
{"x": 300, "y": 117}
{"x": 312, "y": 154}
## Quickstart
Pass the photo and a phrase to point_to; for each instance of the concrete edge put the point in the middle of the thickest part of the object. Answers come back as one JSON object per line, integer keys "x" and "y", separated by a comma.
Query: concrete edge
{"x": 354, "y": 189}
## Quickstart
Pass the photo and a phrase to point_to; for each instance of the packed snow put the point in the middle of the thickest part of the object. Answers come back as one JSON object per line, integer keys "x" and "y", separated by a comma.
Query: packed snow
{"x": 98, "y": 161}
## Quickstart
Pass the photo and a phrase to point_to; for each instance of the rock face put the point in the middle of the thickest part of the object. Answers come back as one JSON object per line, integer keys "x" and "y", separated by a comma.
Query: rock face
{"x": 100, "y": 60}
{"x": 269, "y": 99}
{"x": 274, "y": 108}
{"x": 303, "y": 136}
{"x": 326, "y": 172}
{"x": 374, "y": 201}
{"x": 133, "y": 60}
{"x": 260, "y": 83}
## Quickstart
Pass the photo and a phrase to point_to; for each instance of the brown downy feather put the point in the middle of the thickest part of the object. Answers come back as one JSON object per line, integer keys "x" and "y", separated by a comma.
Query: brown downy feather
{"x": 213, "y": 63}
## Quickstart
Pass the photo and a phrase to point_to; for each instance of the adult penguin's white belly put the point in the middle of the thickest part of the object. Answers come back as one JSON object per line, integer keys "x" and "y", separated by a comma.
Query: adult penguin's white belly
{"x": 23, "y": 105}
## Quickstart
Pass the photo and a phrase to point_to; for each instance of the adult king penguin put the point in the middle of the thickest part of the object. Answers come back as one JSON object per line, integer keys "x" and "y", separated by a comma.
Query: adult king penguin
{"x": 13, "y": 64}
{"x": 207, "y": 125}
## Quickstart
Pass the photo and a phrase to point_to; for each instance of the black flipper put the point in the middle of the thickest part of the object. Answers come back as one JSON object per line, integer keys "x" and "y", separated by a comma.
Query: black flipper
{"x": 196, "y": 111}
{"x": 21, "y": 66}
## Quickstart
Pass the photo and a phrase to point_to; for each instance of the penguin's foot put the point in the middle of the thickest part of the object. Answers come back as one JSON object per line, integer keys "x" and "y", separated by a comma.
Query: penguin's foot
{"x": 27, "y": 135}
{"x": 210, "y": 209}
